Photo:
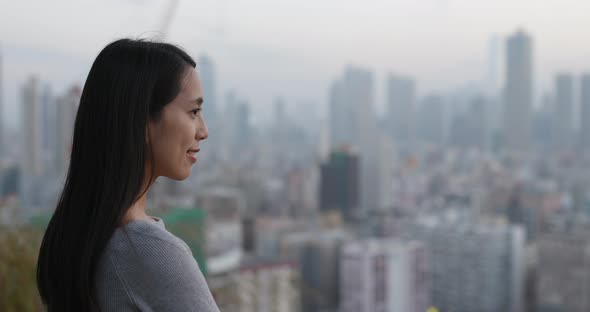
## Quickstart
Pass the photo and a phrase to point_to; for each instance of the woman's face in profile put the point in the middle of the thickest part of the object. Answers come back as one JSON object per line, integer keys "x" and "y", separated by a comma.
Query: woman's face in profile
{"x": 175, "y": 137}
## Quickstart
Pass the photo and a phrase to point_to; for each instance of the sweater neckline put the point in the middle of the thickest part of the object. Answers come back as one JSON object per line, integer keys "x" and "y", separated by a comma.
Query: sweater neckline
{"x": 148, "y": 221}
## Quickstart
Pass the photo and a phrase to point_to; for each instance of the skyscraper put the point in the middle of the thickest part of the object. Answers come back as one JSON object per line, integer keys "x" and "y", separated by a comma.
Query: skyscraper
{"x": 67, "y": 106}
{"x": 542, "y": 128}
{"x": 564, "y": 111}
{"x": 48, "y": 128}
{"x": 401, "y": 96}
{"x": 31, "y": 112}
{"x": 470, "y": 129}
{"x": 518, "y": 91}
{"x": 494, "y": 63}
{"x": 351, "y": 107}
{"x": 476, "y": 267}
{"x": 237, "y": 130}
{"x": 243, "y": 126}
{"x": 431, "y": 124}
{"x": 32, "y": 164}
{"x": 385, "y": 276}
{"x": 353, "y": 123}
{"x": 585, "y": 111}
{"x": 320, "y": 275}
{"x": 208, "y": 77}
{"x": 341, "y": 116}
{"x": 340, "y": 181}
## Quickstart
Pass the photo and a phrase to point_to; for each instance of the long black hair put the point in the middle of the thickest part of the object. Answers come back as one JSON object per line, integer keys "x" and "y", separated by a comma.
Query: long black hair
{"x": 129, "y": 84}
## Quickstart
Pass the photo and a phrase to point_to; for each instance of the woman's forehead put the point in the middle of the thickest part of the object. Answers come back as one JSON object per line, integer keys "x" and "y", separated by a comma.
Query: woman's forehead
{"x": 191, "y": 85}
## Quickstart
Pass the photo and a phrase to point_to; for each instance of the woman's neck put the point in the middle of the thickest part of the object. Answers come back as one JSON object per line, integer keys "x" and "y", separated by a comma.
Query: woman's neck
{"x": 136, "y": 211}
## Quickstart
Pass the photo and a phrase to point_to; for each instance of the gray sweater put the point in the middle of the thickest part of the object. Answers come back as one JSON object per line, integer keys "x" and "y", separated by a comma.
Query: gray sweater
{"x": 146, "y": 268}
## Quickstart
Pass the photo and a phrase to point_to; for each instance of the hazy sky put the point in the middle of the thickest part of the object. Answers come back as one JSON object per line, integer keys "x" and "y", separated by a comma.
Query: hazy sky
{"x": 295, "y": 48}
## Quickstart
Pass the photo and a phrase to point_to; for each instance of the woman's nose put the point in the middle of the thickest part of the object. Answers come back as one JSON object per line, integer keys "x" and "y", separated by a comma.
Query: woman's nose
{"x": 202, "y": 132}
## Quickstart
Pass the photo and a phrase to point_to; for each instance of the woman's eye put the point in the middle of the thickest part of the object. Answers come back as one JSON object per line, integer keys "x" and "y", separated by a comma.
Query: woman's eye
{"x": 196, "y": 111}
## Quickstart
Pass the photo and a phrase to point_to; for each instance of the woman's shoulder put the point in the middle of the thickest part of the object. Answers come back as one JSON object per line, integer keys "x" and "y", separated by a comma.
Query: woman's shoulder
{"x": 146, "y": 237}
{"x": 152, "y": 266}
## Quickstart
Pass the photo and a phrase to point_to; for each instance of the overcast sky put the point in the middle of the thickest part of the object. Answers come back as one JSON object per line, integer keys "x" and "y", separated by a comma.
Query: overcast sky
{"x": 295, "y": 48}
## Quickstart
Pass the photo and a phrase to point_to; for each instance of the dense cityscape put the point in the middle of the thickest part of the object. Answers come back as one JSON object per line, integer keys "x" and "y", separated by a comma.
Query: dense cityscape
{"x": 475, "y": 200}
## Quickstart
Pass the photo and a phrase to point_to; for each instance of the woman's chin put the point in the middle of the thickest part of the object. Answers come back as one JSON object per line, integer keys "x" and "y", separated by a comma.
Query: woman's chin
{"x": 180, "y": 176}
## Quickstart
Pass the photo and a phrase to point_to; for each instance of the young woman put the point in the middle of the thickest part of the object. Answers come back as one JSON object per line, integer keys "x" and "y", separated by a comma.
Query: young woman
{"x": 139, "y": 118}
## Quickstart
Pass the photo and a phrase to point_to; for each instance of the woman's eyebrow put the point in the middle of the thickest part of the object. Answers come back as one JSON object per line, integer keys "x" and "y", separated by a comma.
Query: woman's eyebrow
{"x": 199, "y": 101}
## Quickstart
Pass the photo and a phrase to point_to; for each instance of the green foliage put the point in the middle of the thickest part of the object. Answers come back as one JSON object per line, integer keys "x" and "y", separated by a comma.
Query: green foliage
{"x": 19, "y": 249}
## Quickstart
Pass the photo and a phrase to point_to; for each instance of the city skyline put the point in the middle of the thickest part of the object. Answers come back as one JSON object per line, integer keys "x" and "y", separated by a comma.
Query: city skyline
{"x": 312, "y": 47}
{"x": 399, "y": 155}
